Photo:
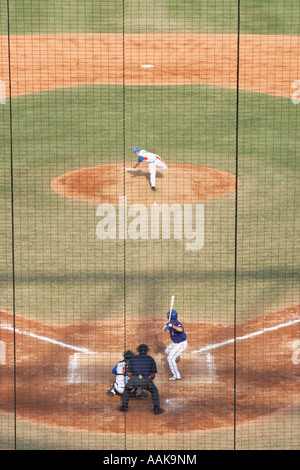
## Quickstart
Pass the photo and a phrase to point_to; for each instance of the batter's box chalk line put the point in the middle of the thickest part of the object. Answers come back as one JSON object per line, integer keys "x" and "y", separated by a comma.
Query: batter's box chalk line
{"x": 2, "y": 353}
{"x": 84, "y": 368}
{"x": 80, "y": 351}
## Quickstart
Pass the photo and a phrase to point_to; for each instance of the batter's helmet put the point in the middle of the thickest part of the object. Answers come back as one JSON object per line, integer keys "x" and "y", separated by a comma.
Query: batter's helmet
{"x": 136, "y": 149}
{"x": 143, "y": 348}
{"x": 128, "y": 354}
{"x": 173, "y": 316}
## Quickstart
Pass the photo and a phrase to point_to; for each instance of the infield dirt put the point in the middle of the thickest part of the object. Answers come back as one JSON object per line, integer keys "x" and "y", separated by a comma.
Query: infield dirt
{"x": 267, "y": 378}
{"x": 46, "y": 62}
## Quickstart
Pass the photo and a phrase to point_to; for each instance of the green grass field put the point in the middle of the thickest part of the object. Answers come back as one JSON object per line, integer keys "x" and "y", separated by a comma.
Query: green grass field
{"x": 204, "y": 16}
{"x": 59, "y": 131}
{"x": 64, "y": 273}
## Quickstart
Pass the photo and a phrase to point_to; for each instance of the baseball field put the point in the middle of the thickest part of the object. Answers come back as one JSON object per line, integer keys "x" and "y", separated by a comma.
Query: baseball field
{"x": 213, "y": 88}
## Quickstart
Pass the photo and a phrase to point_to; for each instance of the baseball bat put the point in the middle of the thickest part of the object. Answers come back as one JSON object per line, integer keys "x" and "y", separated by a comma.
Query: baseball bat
{"x": 171, "y": 305}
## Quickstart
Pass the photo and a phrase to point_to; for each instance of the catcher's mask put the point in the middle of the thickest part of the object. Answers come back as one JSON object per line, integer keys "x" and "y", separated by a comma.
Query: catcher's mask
{"x": 173, "y": 316}
{"x": 143, "y": 348}
{"x": 128, "y": 354}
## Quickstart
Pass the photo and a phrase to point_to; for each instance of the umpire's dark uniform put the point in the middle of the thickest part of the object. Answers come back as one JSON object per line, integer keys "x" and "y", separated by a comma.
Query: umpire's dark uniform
{"x": 142, "y": 370}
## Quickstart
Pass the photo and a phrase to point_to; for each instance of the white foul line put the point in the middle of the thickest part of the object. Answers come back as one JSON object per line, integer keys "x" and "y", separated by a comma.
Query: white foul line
{"x": 239, "y": 338}
{"x": 44, "y": 338}
{"x": 209, "y": 347}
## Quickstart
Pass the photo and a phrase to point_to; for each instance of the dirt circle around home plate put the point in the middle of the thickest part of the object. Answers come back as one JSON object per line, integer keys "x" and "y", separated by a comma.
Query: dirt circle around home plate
{"x": 58, "y": 374}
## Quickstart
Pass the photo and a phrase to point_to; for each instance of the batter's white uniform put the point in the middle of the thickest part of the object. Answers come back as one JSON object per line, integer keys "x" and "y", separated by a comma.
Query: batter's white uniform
{"x": 175, "y": 348}
{"x": 173, "y": 351}
{"x": 153, "y": 161}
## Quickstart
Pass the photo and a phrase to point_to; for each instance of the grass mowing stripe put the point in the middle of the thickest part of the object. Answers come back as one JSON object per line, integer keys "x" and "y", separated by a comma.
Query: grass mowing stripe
{"x": 51, "y": 139}
{"x": 198, "y": 16}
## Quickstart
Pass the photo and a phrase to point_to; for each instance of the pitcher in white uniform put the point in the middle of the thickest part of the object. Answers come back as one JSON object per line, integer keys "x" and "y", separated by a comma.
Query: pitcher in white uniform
{"x": 153, "y": 161}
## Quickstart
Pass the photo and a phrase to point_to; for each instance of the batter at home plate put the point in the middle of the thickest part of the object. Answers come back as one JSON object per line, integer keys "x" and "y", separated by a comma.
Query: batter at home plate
{"x": 178, "y": 342}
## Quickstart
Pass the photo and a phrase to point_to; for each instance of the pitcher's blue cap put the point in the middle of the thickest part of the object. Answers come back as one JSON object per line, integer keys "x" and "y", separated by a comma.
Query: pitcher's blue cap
{"x": 136, "y": 149}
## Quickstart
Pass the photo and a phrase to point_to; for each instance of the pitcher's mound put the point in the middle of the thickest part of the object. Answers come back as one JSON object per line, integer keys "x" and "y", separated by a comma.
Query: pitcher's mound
{"x": 179, "y": 184}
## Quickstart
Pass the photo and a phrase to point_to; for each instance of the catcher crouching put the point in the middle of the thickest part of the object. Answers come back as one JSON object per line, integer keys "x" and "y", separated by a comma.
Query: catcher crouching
{"x": 122, "y": 378}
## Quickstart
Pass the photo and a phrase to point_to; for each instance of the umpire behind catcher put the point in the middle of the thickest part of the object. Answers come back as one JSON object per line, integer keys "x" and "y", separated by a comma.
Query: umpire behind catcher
{"x": 141, "y": 370}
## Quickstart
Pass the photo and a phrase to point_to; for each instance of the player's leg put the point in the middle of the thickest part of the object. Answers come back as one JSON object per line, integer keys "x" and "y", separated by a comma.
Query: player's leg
{"x": 174, "y": 354}
{"x": 115, "y": 389}
{"x": 111, "y": 392}
{"x": 169, "y": 348}
{"x": 169, "y": 354}
{"x": 160, "y": 163}
{"x": 152, "y": 171}
{"x": 126, "y": 394}
{"x": 155, "y": 396}
{"x": 119, "y": 388}
{"x": 173, "y": 367}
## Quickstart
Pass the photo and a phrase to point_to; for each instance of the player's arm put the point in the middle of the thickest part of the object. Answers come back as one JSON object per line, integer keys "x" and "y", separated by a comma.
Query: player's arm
{"x": 177, "y": 328}
{"x": 170, "y": 325}
{"x": 140, "y": 159}
{"x": 153, "y": 369}
{"x": 129, "y": 369}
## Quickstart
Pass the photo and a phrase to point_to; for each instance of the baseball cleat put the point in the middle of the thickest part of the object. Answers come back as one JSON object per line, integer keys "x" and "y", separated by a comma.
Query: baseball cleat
{"x": 173, "y": 378}
{"x": 110, "y": 393}
{"x": 158, "y": 411}
{"x": 153, "y": 188}
{"x": 123, "y": 408}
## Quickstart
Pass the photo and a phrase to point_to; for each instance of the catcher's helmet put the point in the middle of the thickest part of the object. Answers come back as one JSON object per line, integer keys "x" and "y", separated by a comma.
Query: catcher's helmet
{"x": 143, "y": 348}
{"x": 136, "y": 149}
{"x": 173, "y": 316}
{"x": 128, "y": 354}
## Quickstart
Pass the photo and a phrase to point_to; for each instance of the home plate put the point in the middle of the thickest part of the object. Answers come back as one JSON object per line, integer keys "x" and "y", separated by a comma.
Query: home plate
{"x": 147, "y": 66}
{"x": 175, "y": 402}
